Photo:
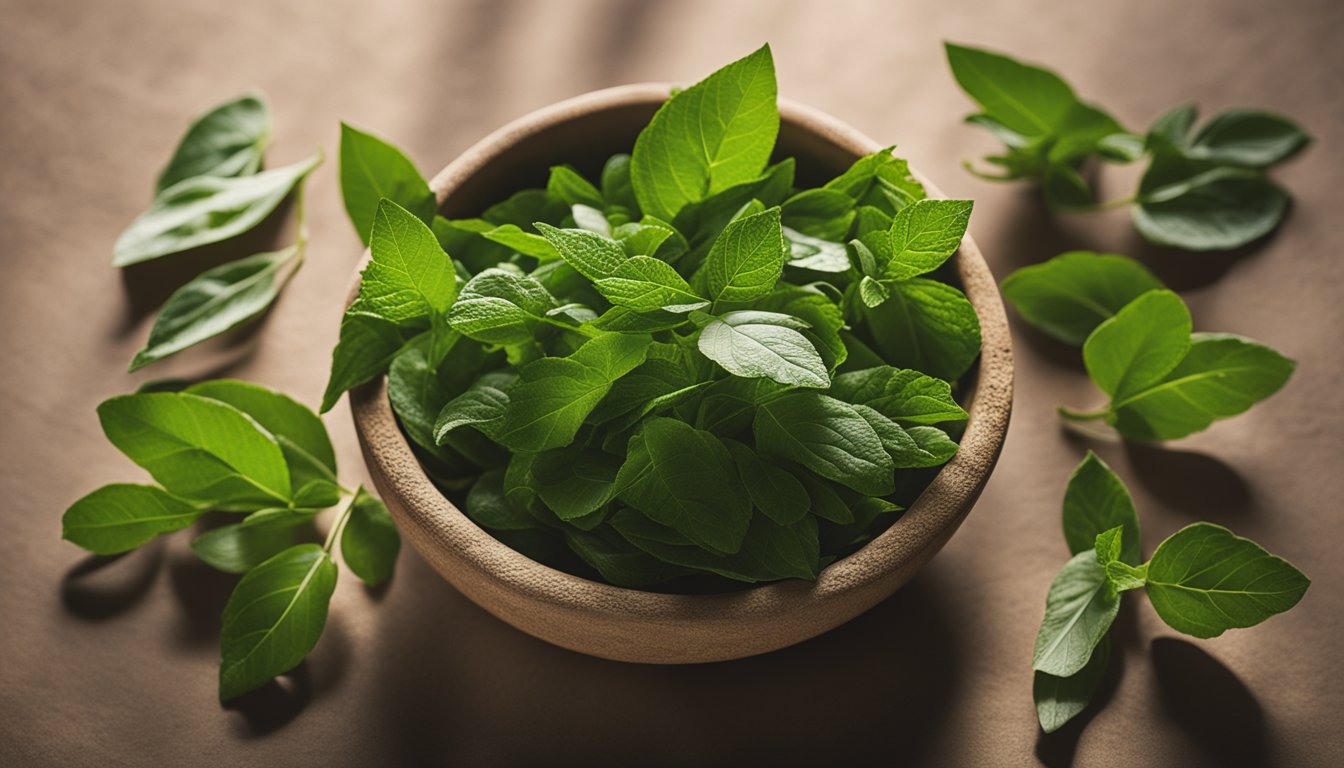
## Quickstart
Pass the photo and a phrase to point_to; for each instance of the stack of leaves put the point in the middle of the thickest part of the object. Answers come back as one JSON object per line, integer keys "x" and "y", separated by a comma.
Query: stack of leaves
{"x": 1202, "y": 580}
{"x": 688, "y": 369}
{"x": 1164, "y": 382}
{"x": 1204, "y": 190}
{"x": 212, "y": 190}
{"x": 239, "y": 449}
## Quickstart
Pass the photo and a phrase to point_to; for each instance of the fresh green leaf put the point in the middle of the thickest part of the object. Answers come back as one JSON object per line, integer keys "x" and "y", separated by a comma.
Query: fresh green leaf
{"x": 369, "y": 541}
{"x": 1078, "y": 610}
{"x": 526, "y": 243}
{"x": 1248, "y": 137}
{"x": 566, "y": 184}
{"x": 575, "y": 483}
{"x": 366, "y": 347}
{"x": 815, "y": 254}
{"x": 747, "y": 259}
{"x": 827, "y": 436}
{"x": 240, "y": 547}
{"x": 500, "y": 307}
{"x": 373, "y": 170}
{"x": 481, "y": 406}
{"x": 645, "y": 284}
{"x": 1142, "y": 343}
{"x": 1060, "y": 699}
{"x": 409, "y": 277}
{"x": 757, "y": 344}
{"x": 821, "y": 213}
{"x": 922, "y": 236}
{"x": 1068, "y": 296}
{"x": 617, "y": 187}
{"x": 120, "y": 517}
{"x": 592, "y": 255}
{"x": 1027, "y": 100}
{"x": 772, "y": 488}
{"x": 1096, "y": 501}
{"x": 905, "y": 396}
{"x": 229, "y": 140}
{"x": 928, "y": 326}
{"x": 1187, "y": 204}
{"x": 488, "y": 506}
{"x": 880, "y": 184}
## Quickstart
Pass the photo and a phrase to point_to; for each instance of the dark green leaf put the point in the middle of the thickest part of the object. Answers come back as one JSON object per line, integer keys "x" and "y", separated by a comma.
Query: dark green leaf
{"x": 828, "y": 437}
{"x": 575, "y": 483}
{"x": 370, "y": 542}
{"x": 1248, "y": 137}
{"x": 905, "y": 396}
{"x": 1186, "y": 205}
{"x": 1025, "y": 99}
{"x": 772, "y": 489}
{"x": 1068, "y": 296}
{"x": 482, "y": 406}
{"x": 240, "y": 547}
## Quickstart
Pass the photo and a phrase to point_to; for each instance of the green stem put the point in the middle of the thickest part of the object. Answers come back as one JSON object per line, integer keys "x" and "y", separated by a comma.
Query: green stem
{"x": 301, "y": 239}
{"x": 338, "y": 526}
{"x": 1073, "y": 415}
{"x": 1106, "y": 206}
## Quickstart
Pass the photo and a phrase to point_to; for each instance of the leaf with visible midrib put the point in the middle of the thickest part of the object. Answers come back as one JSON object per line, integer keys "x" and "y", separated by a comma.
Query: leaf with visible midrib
{"x": 1060, "y": 699}
{"x": 370, "y": 542}
{"x": 1140, "y": 345}
{"x": 229, "y": 140}
{"x": 1028, "y": 100}
{"x": 274, "y": 618}
{"x": 828, "y": 437}
{"x": 755, "y": 344}
{"x": 120, "y": 517}
{"x": 1068, "y": 296}
{"x": 747, "y": 258}
{"x": 408, "y": 276}
{"x": 1096, "y": 501}
{"x": 1078, "y": 610}
{"x": 372, "y": 170}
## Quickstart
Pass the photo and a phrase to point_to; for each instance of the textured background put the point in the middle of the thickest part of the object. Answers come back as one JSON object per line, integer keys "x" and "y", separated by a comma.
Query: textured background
{"x": 116, "y": 664}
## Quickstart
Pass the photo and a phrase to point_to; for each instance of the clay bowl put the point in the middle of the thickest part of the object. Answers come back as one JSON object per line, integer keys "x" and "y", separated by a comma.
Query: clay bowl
{"x": 638, "y": 626}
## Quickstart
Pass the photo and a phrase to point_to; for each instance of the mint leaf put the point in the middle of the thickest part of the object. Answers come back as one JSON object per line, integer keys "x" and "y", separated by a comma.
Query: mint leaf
{"x": 1221, "y": 375}
{"x": 645, "y": 284}
{"x": 747, "y": 259}
{"x": 501, "y": 307}
{"x": 651, "y": 237}
{"x": 481, "y": 406}
{"x": 1078, "y": 610}
{"x": 1186, "y": 204}
{"x": 1068, "y": 296}
{"x": 206, "y": 209}
{"x": 707, "y": 138}
{"x": 1025, "y": 99}
{"x": 366, "y": 347}
{"x": 373, "y": 170}
{"x": 369, "y": 541}
{"x": 1096, "y": 501}
{"x": 274, "y": 618}
{"x": 240, "y": 547}
{"x": 575, "y": 483}
{"x": 905, "y": 396}
{"x": 487, "y": 505}
{"x": 880, "y": 184}
{"x": 1139, "y": 345}
{"x": 592, "y": 255}
{"x": 417, "y": 396}
{"x": 756, "y": 344}
{"x": 1060, "y": 699}
{"x": 821, "y": 213}
{"x": 214, "y": 302}
{"x": 229, "y": 140}
{"x": 909, "y": 448}
{"x": 199, "y": 449}
{"x": 922, "y": 236}
{"x": 683, "y": 478}
{"x": 617, "y": 187}
{"x": 828, "y": 437}
{"x": 409, "y": 276}
{"x": 928, "y": 326}
{"x": 1204, "y": 580}
{"x": 771, "y": 488}
{"x": 566, "y": 184}
{"x": 526, "y": 243}
{"x": 1248, "y": 137}
{"x": 120, "y": 517}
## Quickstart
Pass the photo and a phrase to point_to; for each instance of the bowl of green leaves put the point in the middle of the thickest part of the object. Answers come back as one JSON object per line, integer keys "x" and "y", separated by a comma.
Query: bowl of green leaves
{"x": 667, "y": 375}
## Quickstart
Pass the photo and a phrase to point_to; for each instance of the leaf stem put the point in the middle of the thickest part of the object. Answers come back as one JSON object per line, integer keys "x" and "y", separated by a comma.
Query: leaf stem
{"x": 339, "y": 525}
{"x": 1073, "y": 415}
{"x": 1106, "y": 206}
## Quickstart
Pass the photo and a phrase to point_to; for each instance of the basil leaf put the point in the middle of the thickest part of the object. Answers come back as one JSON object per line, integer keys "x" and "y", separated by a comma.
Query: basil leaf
{"x": 747, "y": 259}
{"x": 274, "y": 618}
{"x": 771, "y": 488}
{"x": 277, "y": 413}
{"x": 369, "y": 541}
{"x": 880, "y": 184}
{"x": 1139, "y": 345}
{"x": 555, "y": 394}
{"x": 214, "y": 302}
{"x": 206, "y": 209}
{"x": 240, "y": 547}
{"x": 926, "y": 325}
{"x": 707, "y": 138}
{"x": 409, "y": 276}
{"x": 651, "y": 237}
{"x": 645, "y": 284}
{"x": 1221, "y": 375}
{"x": 754, "y": 344}
{"x": 1078, "y": 610}
{"x": 1248, "y": 137}
{"x": 592, "y": 255}
{"x": 683, "y": 478}
{"x": 1068, "y": 296}
{"x": 1184, "y": 205}
{"x": 828, "y": 437}
{"x": 366, "y": 347}
{"x": 905, "y": 396}
{"x": 500, "y": 307}
{"x": 1096, "y": 501}
{"x": 199, "y": 449}
{"x": 575, "y": 483}
{"x": 373, "y": 170}
{"x": 229, "y": 140}
{"x": 526, "y": 243}
{"x": 566, "y": 184}
{"x": 1204, "y": 580}
{"x": 120, "y": 517}
{"x": 1060, "y": 699}
{"x": 1027, "y": 100}
{"x": 922, "y": 236}
{"x": 481, "y": 406}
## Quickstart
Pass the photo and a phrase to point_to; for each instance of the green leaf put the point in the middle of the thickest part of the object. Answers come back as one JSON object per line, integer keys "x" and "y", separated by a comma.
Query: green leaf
{"x": 120, "y": 517}
{"x": 728, "y": 405}
{"x": 590, "y": 254}
{"x": 905, "y": 396}
{"x": 409, "y": 276}
{"x": 1068, "y": 296}
{"x": 651, "y": 237}
{"x": 526, "y": 243}
{"x": 827, "y": 436}
{"x": 1078, "y": 610}
{"x": 575, "y": 483}
{"x": 909, "y": 448}
{"x": 1248, "y": 137}
{"x": 199, "y": 449}
{"x": 488, "y": 506}
{"x": 274, "y": 618}
{"x": 683, "y": 478}
{"x": 229, "y": 140}
{"x": 1204, "y": 580}
{"x": 1139, "y": 345}
{"x": 771, "y": 488}
{"x": 206, "y": 209}
{"x": 815, "y": 254}
{"x": 755, "y": 344}
{"x": 481, "y": 406}
{"x": 278, "y": 413}
{"x": 703, "y": 221}
{"x": 240, "y": 547}
{"x": 501, "y": 307}
{"x": 618, "y": 561}
{"x": 784, "y": 551}
{"x": 1028, "y": 100}
{"x": 566, "y": 184}
{"x": 214, "y": 302}
{"x": 821, "y": 213}
{"x": 1222, "y": 375}
{"x": 526, "y": 207}
{"x": 922, "y": 236}
{"x": 645, "y": 284}
{"x": 617, "y": 187}
{"x": 1060, "y": 699}
{"x": 707, "y": 138}
{"x": 370, "y": 542}
{"x": 418, "y": 397}
{"x": 555, "y": 394}
{"x": 747, "y": 259}
{"x": 373, "y": 170}
{"x": 1096, "y": 501}
{"x": 1187, "y": 205}
{"x": 366, "y": 347}
{"x": 926, "y": 325}
{"x": 873, "y": 292}
{"x": 880, "y": 184}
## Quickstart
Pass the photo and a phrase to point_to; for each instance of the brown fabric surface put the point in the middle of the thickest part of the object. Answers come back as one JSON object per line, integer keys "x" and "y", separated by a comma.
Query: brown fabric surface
{"x": 116, "y": 665}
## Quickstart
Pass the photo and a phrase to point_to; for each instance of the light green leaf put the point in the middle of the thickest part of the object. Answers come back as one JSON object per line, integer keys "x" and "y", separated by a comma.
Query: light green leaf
{"x": 747, "y": 259}
{"x": 373, "y": 170}
{"x": 274, "y": 618}
{"x": 815, "y": 254}
{"x": 590, "y": 254}
{"x": 645, "y": 284}
{"x": 928, "y": 326}
{"x": 370, "y": 542}
{"x": 1028, "y": 100}
{"x": 1139, "y": 345}
{"x": 821, "y": 213}
{"x": 409, "y": 276}
{"x": 1204, "y": 580}
{"x": 1068, "y": 296}
{"x": 756, "y": 344}
{"x": 828, "y": 437}
{"x": 905, "y": 396}
{"x": 240, "y": 547}
{"x": 922, "y": 236}
{"x": 881, "y": 183}
{"x": 1078, "y": 610}
{"x": 617, "y": 187}
{"x": 651, "y": 237}
{"x": 229, "y": 140}
{"x": 120, "y": 517}
{"x": 501, "y": 307}
{"x": 526, "y": 243}
{"x": 872, "y": 292}
{"x": 909, "y": 448}
{"x": 707, "y": 138}
{"x": 566, "y": 184}
{"x": 206, "y": 209}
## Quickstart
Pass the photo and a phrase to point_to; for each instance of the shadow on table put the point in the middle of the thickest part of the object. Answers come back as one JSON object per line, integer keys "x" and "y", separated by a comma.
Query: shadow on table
{"x": 1193, "y": 482}
{"x": 1209, "y": 703}
{"x": 479, "y": 691}
{"x": 100, "y": 587}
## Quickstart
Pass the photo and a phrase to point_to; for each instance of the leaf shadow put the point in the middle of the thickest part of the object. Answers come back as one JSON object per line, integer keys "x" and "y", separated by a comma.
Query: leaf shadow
{"x": 100, "y": 587}
{"x": 1190, "y": 481}
{"x": 1210, "y": 703}
{"x": 1057, "y": 750}
{"x": 201, "y": 592}
{"x": 274, "y": 705}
